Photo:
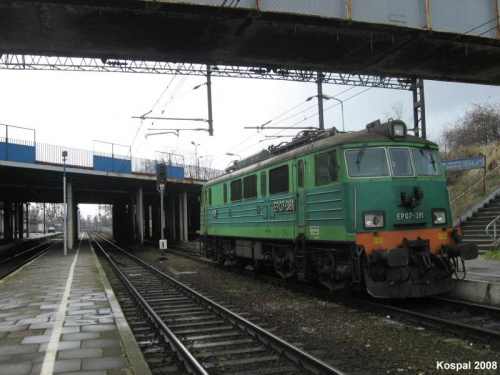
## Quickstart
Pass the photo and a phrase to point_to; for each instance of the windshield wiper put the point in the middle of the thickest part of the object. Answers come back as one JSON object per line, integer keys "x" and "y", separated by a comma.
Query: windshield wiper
{"x": 432, "y": 158}
{"x": 360, "y": 154}
{"x": 433, "y": 161}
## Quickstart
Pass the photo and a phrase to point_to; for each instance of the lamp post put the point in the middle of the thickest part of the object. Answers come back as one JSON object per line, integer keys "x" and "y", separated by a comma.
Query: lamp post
{"x": 196, "y": 157}
{"x": 65, "y": 221}
{"x": 328, "y": 97}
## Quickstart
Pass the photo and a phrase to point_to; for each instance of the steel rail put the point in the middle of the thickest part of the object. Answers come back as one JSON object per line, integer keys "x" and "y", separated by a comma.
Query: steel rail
{"x": 192, "y": 365}
{"x": 478, "y": 333}
{"x": 309, "y": 362}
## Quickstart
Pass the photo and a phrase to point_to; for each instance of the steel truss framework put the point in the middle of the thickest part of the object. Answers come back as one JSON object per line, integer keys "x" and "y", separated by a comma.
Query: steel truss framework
{"x": 34, "y": 62}
{"x": 31, "y": 62}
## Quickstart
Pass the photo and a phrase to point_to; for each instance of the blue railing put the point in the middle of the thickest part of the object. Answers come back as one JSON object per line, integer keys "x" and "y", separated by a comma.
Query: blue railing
{"x": 42, "y": 153}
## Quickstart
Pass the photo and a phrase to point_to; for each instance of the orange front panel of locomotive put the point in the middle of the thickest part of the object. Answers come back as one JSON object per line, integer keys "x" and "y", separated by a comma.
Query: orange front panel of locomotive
{"x": 394, "y": 239}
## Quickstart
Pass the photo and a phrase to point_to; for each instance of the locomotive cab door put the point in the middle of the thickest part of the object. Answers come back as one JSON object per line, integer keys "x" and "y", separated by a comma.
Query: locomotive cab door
{"x": 204, "y": 210}
{"x": 300, "y": 201}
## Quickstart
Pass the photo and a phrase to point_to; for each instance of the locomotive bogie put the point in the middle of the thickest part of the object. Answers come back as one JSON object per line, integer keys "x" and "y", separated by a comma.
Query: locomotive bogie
{"x": 368, "y": 209}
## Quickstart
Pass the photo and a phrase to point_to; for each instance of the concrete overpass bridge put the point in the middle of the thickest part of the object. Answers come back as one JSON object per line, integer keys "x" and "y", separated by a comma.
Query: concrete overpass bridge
{"x": 452, "y": 40}
{"x": 33, "y": 172}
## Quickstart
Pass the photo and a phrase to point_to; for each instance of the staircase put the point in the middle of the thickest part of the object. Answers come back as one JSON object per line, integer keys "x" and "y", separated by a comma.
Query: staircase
{"x": 474, "y": 228}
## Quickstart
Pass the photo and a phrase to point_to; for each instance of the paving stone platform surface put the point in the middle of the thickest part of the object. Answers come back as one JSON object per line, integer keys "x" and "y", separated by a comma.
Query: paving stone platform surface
{"x": 59, "y": 315}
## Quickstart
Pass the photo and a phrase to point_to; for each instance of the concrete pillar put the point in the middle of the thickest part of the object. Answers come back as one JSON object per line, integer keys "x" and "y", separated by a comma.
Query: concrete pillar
{"x": 181, "y": 221}
{"x": 147, "y": 223}
{"x": 27, "y": 220}
{"x": 185, "y": 216}
{"x": 173, "y": 221}
{"x": 131, "y": 217}
{"x": 140, "y": 216}
{"x": 7, "y": 220}
{"x": 2, "y": 225}
{"x": 20, "y": 220}
{"x": 78, "y": 222}
{"x": 70, "y": 216}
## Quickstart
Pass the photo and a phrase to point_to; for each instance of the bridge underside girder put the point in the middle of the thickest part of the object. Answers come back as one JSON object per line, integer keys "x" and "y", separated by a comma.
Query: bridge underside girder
{"x": 220, "y": 36}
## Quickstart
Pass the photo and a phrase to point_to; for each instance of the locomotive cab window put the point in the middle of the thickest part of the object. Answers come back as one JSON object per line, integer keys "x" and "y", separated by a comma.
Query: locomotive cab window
{"x": 250, "y": 187}
{"x": 235, "y": 190}
{"x": 326, "y": 168}
{"x": 427, "y": 162}
{"x": 401, "y": 162}
{"x": 367, "y": 162}
{"x": 278, "y": 180}
{"x": 225, "y": 193}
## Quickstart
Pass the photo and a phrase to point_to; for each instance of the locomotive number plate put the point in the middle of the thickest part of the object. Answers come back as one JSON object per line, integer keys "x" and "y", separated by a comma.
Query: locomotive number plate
{"x": 409, "y": 215}
{"x": 284, "y": 206}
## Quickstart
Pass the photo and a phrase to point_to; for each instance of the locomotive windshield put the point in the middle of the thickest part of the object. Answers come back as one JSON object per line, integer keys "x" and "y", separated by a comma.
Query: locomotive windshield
{"x": 404, "y": 162}
{"x": 401, "y": 162}
{"x": 367, "y": 162}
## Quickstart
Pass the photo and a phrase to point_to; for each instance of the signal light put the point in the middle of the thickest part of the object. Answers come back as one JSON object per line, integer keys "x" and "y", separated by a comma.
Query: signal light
{"x": 161, "y": 173}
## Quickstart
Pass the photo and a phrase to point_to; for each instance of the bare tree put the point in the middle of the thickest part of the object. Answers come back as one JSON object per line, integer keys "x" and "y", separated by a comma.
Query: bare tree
{"x": 479, "y": 125}
{"x": 396, "y": 112}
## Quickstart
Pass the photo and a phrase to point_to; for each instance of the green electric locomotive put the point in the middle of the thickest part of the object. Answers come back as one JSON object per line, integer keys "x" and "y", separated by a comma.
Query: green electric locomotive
{"x": 367, "y": 209}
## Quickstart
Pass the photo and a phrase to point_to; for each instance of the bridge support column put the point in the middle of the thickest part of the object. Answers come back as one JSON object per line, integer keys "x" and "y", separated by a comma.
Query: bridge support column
{"x": 181, "y": 219}
{"x": 172, "y": 221}
{"x": 20, "y": 220}
{"x": 139, "y": 217}
{"x": 7, "y": 221}
{"x": 28, "y": 220}
{"x": 147, "y": 222}
{"x": 70, "y": 216}
{"x": 185, "y": 215}
{"x": 131, "y": 217}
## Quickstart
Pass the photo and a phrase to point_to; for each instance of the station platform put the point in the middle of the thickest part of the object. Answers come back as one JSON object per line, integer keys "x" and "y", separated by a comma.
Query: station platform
{"x": 58, "y": 314}
{"x": 481, "y": 284}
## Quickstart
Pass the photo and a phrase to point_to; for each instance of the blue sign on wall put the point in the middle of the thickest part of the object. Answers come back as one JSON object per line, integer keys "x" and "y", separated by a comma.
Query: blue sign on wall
{"x": 106, "y": 164}
{"x": 15, "y": 152}
{"x": 466, "y": 163}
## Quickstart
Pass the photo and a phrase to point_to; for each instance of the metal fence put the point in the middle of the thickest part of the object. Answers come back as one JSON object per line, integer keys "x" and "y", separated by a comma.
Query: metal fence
{"x": 51, "y": 154}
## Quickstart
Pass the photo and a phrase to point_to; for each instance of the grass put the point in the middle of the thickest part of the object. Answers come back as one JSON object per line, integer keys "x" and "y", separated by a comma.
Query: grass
{"x": 492, "y": 254}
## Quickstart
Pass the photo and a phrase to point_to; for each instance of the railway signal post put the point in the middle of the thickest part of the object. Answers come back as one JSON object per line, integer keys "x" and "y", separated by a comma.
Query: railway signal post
{"x": 161, "y": 178}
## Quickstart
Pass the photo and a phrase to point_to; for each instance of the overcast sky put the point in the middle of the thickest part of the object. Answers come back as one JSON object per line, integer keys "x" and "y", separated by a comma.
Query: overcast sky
{"x": 75, "y": 108}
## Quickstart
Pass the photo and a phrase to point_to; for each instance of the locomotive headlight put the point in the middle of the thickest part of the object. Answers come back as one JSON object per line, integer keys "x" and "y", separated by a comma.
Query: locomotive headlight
{"x": 439, "y": 216}
{"x": 398, "y": 130}
{"x": 374, "y": 219}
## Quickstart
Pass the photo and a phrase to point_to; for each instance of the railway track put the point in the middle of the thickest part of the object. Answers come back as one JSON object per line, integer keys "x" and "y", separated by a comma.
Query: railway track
{"x": 207, "y": 337}
{"x": 471, "y": 321}
{"x": 15, "y": 258}
{"x": 480, "y": 323}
